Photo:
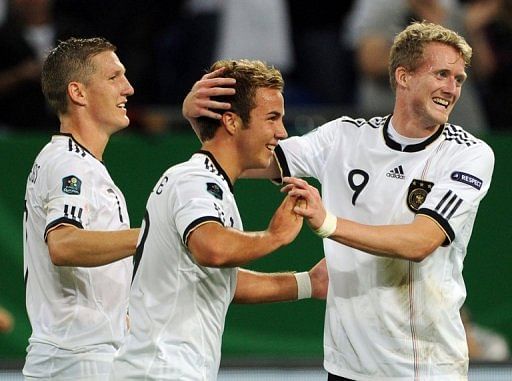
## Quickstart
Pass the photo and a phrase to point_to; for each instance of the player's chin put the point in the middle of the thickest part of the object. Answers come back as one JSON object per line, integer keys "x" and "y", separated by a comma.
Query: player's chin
{"x": 264, "y": 160}
{"x": 124, "y": 122}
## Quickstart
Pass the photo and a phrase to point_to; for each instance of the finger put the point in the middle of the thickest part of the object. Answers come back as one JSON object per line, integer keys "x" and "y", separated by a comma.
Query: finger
{"x": 301, "y": 203}
{"x": 299, "y": 193}
{"x": 209, "y": 114}
{"x": 303, "y": 212}
{"x": 295, "y": 181}
{"x": 287, "y": 188}
{"x": 215, "y": 91}
{"x": 217, "y": 105}
{"x": 214, "y": 73}
{"x": 223, "y": 81}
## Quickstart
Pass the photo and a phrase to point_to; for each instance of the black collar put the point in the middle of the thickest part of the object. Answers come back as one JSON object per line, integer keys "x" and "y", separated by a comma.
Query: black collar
{"x": 410, "y": 148}
{"x": 78, "y": 144}
{"x": 219, "y": 168}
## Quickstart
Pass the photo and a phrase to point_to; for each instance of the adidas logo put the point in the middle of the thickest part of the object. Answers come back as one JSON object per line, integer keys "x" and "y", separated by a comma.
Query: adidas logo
{"x": 396, "y": 173}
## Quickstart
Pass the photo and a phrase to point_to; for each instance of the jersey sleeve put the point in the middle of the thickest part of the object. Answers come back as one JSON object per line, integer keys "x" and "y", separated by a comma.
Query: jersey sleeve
{"x": 70, "y": 184}
{"x": 455, "y": 198}
{"x": 306, "y": 156}
{"x": 198, "y": 200}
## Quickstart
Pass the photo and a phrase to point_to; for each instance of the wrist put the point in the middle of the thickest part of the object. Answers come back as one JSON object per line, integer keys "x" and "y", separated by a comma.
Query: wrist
{"x": 304, "y": 288}
{"x": 328, "y": 227}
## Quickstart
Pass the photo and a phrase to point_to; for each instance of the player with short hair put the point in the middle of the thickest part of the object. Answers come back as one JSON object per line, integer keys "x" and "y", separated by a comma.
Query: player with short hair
{"x": 186, "y": 271}
{"x": 407, "y": 188}
{"x": 77, "y": 236}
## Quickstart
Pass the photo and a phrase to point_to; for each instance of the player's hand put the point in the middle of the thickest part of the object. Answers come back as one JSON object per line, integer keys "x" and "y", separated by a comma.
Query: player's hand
{"x": 285, "y": 224}
{"x": 313, "y": 210}
{"x": 198, "y": 102}
{"x": 319, "y": 280}
{"x": 6, "y": 321}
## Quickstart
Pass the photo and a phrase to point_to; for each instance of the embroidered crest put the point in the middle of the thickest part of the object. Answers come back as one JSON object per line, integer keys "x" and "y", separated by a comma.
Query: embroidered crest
{"x": 214, "y": 189}
{"x": 71, "y": 185}
{"x": 418, "y": 191}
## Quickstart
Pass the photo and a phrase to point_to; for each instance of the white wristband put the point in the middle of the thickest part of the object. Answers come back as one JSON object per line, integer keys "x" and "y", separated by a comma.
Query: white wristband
{"x": 303, "y": 285}
{"x": 329, "y": 225}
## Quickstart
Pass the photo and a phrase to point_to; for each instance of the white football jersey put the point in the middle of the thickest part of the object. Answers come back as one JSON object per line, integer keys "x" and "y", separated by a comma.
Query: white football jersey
{"x": 387, "y": 318}
{"x": 77, "y": 314}
{"x": 177, "y": 307}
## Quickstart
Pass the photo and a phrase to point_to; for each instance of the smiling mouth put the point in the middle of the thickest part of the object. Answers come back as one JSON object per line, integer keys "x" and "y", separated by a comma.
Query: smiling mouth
{"x": 441, "y": 102}
{"x": 271, "y": 147}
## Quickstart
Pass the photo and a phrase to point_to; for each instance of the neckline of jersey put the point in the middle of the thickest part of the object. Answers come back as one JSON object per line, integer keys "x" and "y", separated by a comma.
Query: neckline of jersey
{"x": 412, "y": 147}
{"x": 219, "y": 168}
{"x": 68, "y": 135}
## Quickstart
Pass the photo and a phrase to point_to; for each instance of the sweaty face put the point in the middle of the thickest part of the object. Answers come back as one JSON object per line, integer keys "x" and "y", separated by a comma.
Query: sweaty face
{"x": 107, "y": 92}
{"x": 435, "y": 86}
{"x": 260, "y": 137}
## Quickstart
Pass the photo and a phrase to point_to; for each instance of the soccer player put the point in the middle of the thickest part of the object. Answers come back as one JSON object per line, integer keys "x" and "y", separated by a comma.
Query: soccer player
{"x": 406, "y": 189}
{"x": 186, "y": 266}
{"x": 77, "y": 236}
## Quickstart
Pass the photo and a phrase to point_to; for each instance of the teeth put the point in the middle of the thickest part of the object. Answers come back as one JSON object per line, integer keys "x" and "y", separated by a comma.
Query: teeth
{"x": 442, "y": 102}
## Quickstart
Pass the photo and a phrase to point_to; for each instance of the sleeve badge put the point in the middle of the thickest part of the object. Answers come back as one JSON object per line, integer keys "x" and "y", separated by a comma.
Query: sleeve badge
{"x": 71, "y": 185}
{"x": 214, "y": 189}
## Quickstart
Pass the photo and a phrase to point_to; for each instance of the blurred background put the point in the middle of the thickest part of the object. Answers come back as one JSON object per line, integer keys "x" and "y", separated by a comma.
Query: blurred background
{"x": 333, "y": 56}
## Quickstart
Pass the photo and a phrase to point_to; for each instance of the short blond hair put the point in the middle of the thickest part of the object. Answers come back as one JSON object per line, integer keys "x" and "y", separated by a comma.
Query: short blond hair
{"x": 409, "y": 45}
{"x": 250, "y": 76}
{"x": 70, "y": 61}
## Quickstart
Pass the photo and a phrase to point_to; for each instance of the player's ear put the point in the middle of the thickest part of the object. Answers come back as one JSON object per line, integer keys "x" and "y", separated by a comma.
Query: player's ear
{"x": 76, "y": 92}
{"x": 231, "y": 122}
{"x": 402, "y": 76}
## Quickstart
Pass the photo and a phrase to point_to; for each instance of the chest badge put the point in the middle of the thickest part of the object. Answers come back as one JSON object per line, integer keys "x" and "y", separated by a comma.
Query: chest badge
{"x": 418, "y": 191}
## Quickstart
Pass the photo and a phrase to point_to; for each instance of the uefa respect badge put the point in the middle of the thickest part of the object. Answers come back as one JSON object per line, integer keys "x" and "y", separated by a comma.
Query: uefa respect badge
{"x": 71, "y": 185}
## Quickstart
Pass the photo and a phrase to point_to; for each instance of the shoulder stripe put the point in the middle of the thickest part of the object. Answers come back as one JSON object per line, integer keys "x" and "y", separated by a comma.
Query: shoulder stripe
{"x": 458, "y": 135}
{"x": 443, "y": 199}
{"x": 375, "y": 122}
{"x": 73, "y": 213}
{"x": 446, "y": 203}
{"x": 452, "y": 199}
{"x": 74, "y": 147}
{"x": 454, "y": 209}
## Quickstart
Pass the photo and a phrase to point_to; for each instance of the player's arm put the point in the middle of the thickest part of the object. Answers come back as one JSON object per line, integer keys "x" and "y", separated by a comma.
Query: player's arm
{"x": 214, "y": 245}
{"x": 414, "y": 241}
{"x": 71, "y": 246}
{"x": 256, "y": 287}
{"x": 199, "y": 103}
